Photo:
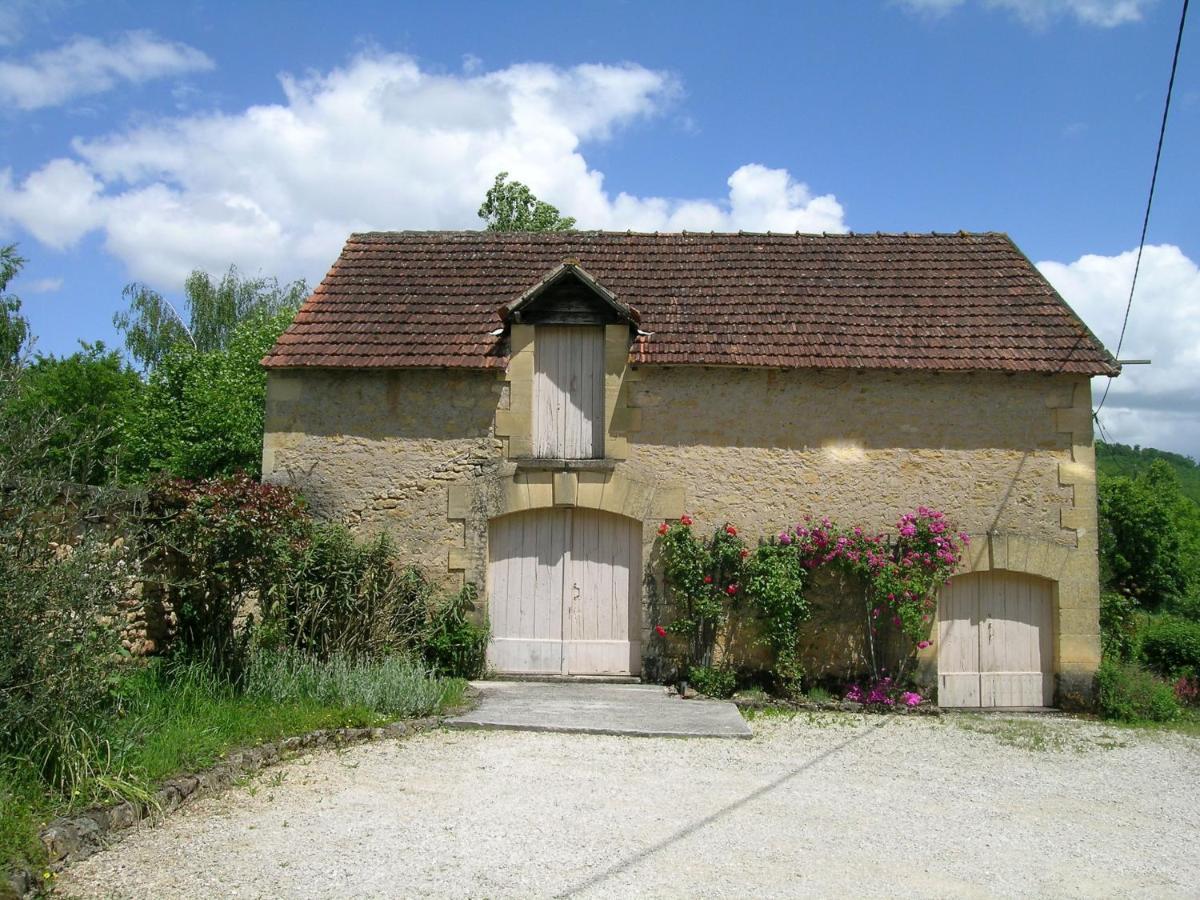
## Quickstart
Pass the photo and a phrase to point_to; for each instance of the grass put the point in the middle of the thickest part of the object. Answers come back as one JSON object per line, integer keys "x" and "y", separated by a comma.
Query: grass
{"x": 170, "y": 720}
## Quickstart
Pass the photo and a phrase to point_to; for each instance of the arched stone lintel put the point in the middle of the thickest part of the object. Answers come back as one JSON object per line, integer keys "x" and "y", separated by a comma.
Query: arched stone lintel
{"x": 1008, "y": 552}
{"x": 608, "y": 491}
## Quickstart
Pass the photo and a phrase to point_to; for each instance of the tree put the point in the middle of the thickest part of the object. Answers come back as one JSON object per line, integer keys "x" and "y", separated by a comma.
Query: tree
{"x": 215, "y": 309}
{"x": 201, "y": 413}
{"x": 511, "y": 206}
{"x": 1149, "y": 537}
{"x": 84, "y": 395}
{"x": 14, "y": 328}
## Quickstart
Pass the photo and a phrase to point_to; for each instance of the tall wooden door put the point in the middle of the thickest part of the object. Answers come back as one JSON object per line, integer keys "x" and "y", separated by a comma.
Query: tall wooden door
{"x": 563, "y": 593}
{"x": 568, "y": 392}
{"x": 995, "y": 641}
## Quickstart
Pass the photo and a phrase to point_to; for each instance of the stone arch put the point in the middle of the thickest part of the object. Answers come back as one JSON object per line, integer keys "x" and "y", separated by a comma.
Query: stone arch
{"x": 478, "y": 502}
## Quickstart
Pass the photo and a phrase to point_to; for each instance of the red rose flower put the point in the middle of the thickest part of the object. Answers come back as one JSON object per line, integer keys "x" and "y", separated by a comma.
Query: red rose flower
{"x": 663, "y": 528}
{"x": 745, "y": 553}
{"x": 708, "y": 579}
{"x": 685, "y": 519}
{"x": 730, "y": 530}
{"x": 660, "y": 631}
{"x": 731, "y": 590}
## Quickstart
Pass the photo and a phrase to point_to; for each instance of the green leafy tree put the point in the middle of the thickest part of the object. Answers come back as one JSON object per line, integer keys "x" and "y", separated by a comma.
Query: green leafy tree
{"x": 14, "y": 328}
{"x": 201, "y": 413}
{"x": 511, "y": 206}
{"x": 1149, "y": 537}
{"x": 153, "y": 327}
{"x": 85, "y": 395}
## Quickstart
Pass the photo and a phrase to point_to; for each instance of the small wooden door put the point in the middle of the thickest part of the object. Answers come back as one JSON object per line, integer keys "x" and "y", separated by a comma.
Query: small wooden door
{"x": 995, "y": 641}
{"x": 568, "y": 392}
{"x": 563, "y": 593}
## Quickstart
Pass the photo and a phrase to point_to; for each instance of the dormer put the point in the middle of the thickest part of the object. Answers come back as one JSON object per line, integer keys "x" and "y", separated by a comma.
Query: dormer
{"x": 569, "y": 339}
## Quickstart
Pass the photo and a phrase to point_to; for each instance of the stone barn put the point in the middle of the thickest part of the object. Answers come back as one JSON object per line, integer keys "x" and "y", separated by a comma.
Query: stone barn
{"x": 523, "y": 410}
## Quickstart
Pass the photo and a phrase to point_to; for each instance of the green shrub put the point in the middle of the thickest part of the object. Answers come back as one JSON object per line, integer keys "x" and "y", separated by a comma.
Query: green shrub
{"x": 1128, "y": 693}
{"x": 1149, "y": 536}
{"x": 224, "y": 538}
{"x": 1118, "y": 625}
{"x": 454, "y": 644}
{"x": 712, "y": 681}
{"x": 1171, "y": 646}
{"x": 1186, "y": 607}
{"x": 340, "y": 595}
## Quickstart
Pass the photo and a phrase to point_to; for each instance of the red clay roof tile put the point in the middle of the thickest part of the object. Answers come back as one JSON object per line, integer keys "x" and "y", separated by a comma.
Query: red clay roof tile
{"x": 945, "y": 302}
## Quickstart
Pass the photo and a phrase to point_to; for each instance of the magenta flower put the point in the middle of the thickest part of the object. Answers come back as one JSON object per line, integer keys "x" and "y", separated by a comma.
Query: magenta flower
{"x": 921, "y": 645}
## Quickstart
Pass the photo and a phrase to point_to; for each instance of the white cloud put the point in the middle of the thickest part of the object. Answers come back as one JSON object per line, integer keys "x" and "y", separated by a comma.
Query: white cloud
{"x": 377, "y": 144}
{"x": 1039, "y": 13}
{"x": 1156, "y": 405}
{"x": 86, "y": 66}
{"x": 41, "y": 286}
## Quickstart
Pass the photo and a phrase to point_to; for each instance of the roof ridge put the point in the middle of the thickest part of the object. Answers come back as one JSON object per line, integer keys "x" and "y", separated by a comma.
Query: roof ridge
{"x": 602, "y": 232}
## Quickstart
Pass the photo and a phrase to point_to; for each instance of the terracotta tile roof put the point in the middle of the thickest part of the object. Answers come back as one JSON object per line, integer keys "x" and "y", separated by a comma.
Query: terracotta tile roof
{"x": 861, "y": 301}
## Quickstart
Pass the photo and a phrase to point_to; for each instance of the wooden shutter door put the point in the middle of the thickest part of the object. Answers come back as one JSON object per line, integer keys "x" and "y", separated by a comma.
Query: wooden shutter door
{"x": 564, "y": 593}
{"x": 568, "y": 392}
{"x": 958, "y": 643}
{"x": 1015, "y": 650}
{"x": 602, "y": 594}
{"x": 995, "y": 641}
{"x": 526, "y": 562}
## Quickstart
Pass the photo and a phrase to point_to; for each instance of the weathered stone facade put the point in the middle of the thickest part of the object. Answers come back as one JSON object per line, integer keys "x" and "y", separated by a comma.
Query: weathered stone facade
{"x": 432, "y": 455}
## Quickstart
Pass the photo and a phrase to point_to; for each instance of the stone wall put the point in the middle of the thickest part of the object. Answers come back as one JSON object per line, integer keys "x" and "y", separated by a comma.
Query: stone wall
{"x": 377, "y": 450}
{"x": 1008, "y": 457}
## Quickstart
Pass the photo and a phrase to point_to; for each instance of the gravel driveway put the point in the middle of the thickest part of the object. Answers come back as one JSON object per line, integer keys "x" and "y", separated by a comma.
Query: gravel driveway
{"x": 817, "y": 805}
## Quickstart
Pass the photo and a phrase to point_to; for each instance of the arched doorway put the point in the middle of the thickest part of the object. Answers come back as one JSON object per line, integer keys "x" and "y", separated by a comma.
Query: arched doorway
{"x": 564, "y": 592}
{"x": 995, "y": 641}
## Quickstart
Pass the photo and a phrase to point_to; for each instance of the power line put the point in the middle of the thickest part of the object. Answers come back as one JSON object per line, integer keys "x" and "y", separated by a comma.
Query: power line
{"x": 1162, "y": 131}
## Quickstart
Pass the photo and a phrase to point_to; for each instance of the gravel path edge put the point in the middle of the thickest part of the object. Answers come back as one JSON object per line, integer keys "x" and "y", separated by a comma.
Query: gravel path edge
{"x": 77, "y": 836}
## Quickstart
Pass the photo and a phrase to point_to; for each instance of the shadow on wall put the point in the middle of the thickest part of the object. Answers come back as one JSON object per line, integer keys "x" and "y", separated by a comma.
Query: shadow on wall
{"x": 849, "y": 413}
{"x": 412, "y": 404}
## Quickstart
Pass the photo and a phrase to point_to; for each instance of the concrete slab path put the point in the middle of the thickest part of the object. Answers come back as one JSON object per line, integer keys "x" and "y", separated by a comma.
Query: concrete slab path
{"x": 627, "y": 709}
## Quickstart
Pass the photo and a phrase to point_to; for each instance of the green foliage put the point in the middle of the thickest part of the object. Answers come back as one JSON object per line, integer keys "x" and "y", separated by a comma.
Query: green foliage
{"x": 202, "y": 413}
{"x": 774, "y": 579}
{"x": 55, "y": 588}
{"x": 84, "y": 395}
{"x": 511, "y": 206}
{"x": 1149, "y": 537}
{"x": 335, "y": 595}
{"x": 1118, "y": 625}
{"x": 1119, "y": 459}
{"x": 1128, "y": 693}
{"x": 901, "y": 576}
{"x": 172, "y": 717}
{"x": 708, "y": 581}
{"x": 224, "y": 538}
{"x": 14, "y": 328}
{"x": 339, "y": 595}
{"x": 1170, "y": 646}
{"x": 216, "y": 310}
{"x": 712, "y": 681}
{"x": 702, "y": 583}
{"x": 454, "y": 644}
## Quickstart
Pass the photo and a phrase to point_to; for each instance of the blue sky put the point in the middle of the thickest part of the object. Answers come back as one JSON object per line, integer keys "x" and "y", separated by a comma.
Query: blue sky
{"x": 141, "y": 140}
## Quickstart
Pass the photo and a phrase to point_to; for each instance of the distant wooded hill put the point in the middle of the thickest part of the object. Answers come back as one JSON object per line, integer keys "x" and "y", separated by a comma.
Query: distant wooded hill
{"x": 1120, "y": 459}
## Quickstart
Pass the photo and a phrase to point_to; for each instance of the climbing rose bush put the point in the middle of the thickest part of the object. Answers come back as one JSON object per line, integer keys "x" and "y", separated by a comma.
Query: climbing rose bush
{"x": 901, "y": 574}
